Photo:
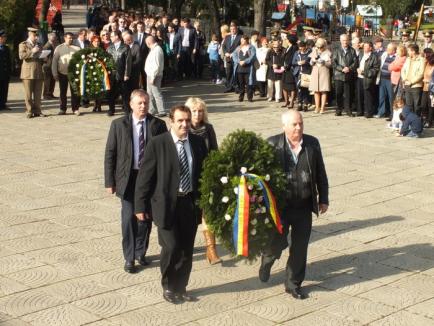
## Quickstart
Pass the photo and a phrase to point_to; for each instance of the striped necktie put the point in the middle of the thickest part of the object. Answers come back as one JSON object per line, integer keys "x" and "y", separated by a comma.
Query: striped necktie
{"x": 141, "y": 142}
{"x": 184, "y": 180}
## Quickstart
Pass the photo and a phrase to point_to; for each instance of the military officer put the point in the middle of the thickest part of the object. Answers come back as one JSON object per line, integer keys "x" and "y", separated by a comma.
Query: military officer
{"x": 31, "y": 73}
{"x": 5, "y": 70}
{"x": 427, "y": 43}
{"x": 405, "y": 38}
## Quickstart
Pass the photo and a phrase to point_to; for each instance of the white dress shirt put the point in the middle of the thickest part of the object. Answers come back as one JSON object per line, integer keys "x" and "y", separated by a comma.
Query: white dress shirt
{"x": 185, "y": 38}
{"x": 171, "y": 38}
{"x": 136, "y": 141}
{"x": 189, "y": 156}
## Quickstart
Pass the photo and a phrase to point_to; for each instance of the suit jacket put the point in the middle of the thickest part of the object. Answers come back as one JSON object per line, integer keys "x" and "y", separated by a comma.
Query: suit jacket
{"x": 137, "y": 62}
{"x": 32, "y": 65}
{"x": 176, "y": 43}
{"x": 122, "y": 58}
{"x": 157, "y": 183}
{"x": 46, "y": 67}
{"x": 227, "y": 46}
{"x": 370, "y": 71}
{"x": 319, "y": 181}
{"x": 191, "y": 37}
{"x": 77, "y": 43}
{"x": 5, "y": 63}
{"x": 119, "y": 152}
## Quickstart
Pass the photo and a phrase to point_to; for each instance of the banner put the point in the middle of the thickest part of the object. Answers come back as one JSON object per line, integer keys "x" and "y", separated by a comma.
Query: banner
{"x": 55, "y": 6}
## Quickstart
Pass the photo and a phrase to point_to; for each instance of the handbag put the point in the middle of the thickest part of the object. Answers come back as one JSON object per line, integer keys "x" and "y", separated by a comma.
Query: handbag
{"x": 305, "y": 80}
{"x": 279, "y": 70}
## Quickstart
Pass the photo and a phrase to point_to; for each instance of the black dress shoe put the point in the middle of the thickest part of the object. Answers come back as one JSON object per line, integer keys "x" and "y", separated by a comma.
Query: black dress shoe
{"x": 171, "y": 297}
{"x": 129, "y": 267}
{"x": 110, "y": 113}
{"x": 338, "y": 114}
{"x": 186, "y": 297}
{"x": 350, "y": 114}
{"x": 360, "y": 114}
{"x": 297, "y": 293}
{"x": 369, "y": 116}
{"x": 265, "y": 270}
{"x": 389, "y": 119}
{"x": 230, "y": 90}
{"x": 142, "y": 261}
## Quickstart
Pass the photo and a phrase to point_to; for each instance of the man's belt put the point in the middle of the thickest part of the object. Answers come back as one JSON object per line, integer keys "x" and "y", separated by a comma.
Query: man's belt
{"x": 183, "y": 194}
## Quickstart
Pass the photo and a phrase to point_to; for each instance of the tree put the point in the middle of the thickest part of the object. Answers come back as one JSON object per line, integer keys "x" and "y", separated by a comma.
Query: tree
{"x": 259, "y": 18}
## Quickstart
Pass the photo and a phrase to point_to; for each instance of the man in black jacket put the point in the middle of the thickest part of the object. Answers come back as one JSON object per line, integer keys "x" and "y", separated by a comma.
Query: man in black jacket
{"x": 188, "y": 47}
{"x": 230, "y": 43}
{"x": 167, "y": 189}
{"x": 345, "y": 63}
{"x": 307, "y": 192}
{"x": 121, "y": 55}
{"x": 137, "y": 62}
{"x": 124, "y": 155}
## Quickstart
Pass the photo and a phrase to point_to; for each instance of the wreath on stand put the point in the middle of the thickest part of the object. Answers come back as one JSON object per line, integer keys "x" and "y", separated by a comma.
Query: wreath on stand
{"x": 89, "y": 73}
{"x": 243, "y": 187}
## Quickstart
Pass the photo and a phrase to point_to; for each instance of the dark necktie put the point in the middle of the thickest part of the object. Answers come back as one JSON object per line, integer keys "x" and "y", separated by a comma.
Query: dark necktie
{"x": 141, "y": 142}
{"x": 184, "y": 180}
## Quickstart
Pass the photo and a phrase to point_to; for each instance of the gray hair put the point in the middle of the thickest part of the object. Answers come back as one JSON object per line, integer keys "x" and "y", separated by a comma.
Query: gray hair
{"x": 287, "y": 116}
{"x": 138, "y": 93}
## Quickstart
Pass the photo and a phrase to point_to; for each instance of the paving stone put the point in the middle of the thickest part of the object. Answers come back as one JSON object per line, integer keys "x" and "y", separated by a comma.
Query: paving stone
{"x": 424, "y": 308}
{"x": 403, "y": 318}
{"x": 321, "y": 318}
{"x": 60, "y": 315}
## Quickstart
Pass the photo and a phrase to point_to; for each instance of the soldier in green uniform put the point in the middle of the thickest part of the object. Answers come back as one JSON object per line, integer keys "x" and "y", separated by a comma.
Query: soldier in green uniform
{"x": 405, "y": 38}
{"x": 427, "y": 42}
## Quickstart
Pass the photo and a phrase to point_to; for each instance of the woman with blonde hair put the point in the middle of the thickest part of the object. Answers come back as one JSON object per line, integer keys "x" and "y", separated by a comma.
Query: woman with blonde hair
{"x": 320, "y": 85}
{"x": 395, "y": 68}
{"x": 201, "y": 127}
{"x": 224, "y": 30}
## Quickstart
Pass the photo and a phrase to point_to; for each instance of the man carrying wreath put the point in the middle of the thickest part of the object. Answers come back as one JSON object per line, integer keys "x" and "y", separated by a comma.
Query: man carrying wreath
{"x": 307, "y": 192}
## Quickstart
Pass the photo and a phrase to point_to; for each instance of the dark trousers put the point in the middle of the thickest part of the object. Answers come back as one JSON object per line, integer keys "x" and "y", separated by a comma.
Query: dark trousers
{"x": 172, "y": 68}
{"x": 243, "y": 79}
{"x": 303, "y": 95}
{"x": 230, "y": 76}
{"x": 300, "y": 221}
{"x": 185, "y": 64}
{"x": 118, "y": 87}
{"x": 369, "y": 99}
{"x": 412, "y": 98}
{"x": 198, "y": 64}
{"x": 427, "y": 110}
{"x": 385, "y": 105}
{"x": 215, "y": 69}
{"x": 131, "y": 85}
{"x": 4, "y": 90}
{"x": 176, "y": 258}
{"x": 49, "y": 82}
{"x": 360, "y": 97}
{"x": 63, "y": 87}
{"x": 262, "y": 86}
{"x": 343, "y": 100}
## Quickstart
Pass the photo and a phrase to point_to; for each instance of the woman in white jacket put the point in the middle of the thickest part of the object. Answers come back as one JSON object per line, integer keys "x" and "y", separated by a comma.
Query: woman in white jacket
{"x": 261, "y": 72}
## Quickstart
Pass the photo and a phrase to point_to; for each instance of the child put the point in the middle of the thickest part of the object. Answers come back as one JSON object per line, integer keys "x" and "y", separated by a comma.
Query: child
{"x": 412, "y": 124}
{"x": 396, "y": 123}
{"x": 214, "y": 57}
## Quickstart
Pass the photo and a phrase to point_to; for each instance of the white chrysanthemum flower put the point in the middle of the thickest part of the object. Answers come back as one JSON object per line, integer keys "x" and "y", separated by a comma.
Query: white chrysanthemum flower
{"x": 236, "y": 190}
{"x": 228, "y": 217}
{"x": 263, "y": 209}
{"x": 266, "y": 221}
{"x": 83, "y": 56}
{"x": 250, "y": 187}
{"x": 224, "y": 180}
{"x": 77, "y": 65}
{"x": 254, "y": 221}
{"x": 94, "y": 73}
{"x": 253, "y": 232}
{"x": 225, "y": 199}
{"x": 267, "y": 177}
{"x": 243, "y": 170}
{"x": 91, "y": 67}
{"x": 77, "y": 72}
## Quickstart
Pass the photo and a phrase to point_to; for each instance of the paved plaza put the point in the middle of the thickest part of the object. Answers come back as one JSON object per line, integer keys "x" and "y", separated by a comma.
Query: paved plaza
{"x": 371, "y": 256}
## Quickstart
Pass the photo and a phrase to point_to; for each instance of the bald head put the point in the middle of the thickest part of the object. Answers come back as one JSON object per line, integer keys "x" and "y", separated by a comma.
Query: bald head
{"x": 150, "y": 41}
{"x": 344, "y": 40}
{"x": 292, "y": 122}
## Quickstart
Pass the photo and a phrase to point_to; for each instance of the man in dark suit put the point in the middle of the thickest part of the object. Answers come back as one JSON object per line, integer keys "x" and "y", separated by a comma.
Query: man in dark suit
{"x": 140, "y": 38}
{"x": 124, "y": 154}
{"x": 136, "y": 62}
{"x": 173, "y": 39}
{"x": 230, "y": 43}
{"x": 188, "y": 48}
{"x": 121, "y": 55}
{"x": 49, "y": 81}
{"x": 5, "y": 70}
{"x": 307, "y": 191}
{"x": 167, "y": 191}
{"x": 81, "y": 41}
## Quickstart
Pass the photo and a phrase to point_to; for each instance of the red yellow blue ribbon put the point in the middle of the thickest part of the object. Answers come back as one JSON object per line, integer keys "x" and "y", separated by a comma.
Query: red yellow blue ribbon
{"x": 83, "y": 79}
{"x": 106, "y": 80}
{"x": 241, "y": 216}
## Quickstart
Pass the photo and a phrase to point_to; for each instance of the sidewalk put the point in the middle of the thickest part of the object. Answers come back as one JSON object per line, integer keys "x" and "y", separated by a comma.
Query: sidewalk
{"x": 371, "y": 257}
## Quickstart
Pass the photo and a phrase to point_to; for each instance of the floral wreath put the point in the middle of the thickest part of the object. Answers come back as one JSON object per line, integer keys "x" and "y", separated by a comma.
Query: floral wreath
{"x": 89, "y": 72}
{"x": 243, "y": 188}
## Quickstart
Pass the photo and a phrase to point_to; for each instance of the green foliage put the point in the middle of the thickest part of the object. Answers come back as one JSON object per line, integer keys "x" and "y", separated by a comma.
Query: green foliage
{"x": 402, "y": 7}
{"x": 241, "y": 149}
{"x": 15, "y": 17}
{"x": 95, "y": 59}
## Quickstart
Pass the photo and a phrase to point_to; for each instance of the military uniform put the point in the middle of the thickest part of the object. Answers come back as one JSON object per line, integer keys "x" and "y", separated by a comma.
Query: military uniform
{"x": 5, "y": 72}
{"x": 426, "y": 45}
{"x": 407, "y": 42}
{"x": 32, "y": 77}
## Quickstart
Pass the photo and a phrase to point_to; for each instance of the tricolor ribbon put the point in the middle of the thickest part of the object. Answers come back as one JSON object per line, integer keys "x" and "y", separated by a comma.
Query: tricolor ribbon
{"x": 105, "y": 82}
{"x": 83, "y": 79}
{"x": 241, "y": 218}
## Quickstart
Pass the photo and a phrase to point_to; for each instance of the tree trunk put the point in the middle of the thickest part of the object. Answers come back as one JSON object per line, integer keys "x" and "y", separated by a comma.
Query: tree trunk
{"x": 214, "y": 14}
{"x": 259, "y": 19}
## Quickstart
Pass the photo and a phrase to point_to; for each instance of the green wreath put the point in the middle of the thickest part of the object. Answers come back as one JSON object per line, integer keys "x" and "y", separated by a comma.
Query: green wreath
{"x": 241, "y": 153}
{"x": 89, "y": 72}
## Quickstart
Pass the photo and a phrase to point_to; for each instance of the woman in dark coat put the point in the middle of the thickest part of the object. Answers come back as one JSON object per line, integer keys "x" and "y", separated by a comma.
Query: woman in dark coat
{"x": 301, "y": 65}
{"x": 288, "y": 80}
{"x": 274, "y": 61}
{"x": 201, "y": 127}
